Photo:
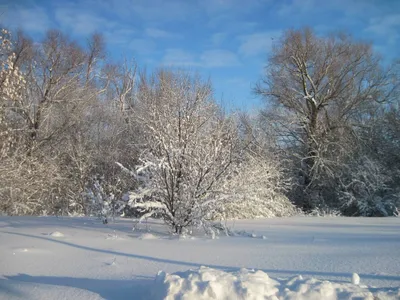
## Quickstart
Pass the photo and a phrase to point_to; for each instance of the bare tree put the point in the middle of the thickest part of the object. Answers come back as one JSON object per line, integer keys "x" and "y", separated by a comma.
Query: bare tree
{"x": 22, "y": 182}
{"x": 317, "y": 88}
{"x": 121, "y": 80}
{"x": 48, "y": 114}
{"x": 95, "y": 53}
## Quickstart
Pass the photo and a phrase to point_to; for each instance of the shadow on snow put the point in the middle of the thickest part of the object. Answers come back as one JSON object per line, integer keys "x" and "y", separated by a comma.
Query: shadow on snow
{"x": 197, "y": 265}
{"x": 106, "y": 288}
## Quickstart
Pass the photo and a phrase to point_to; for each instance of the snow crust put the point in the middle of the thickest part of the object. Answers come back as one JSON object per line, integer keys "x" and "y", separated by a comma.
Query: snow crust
{"x": 207, "y": 284}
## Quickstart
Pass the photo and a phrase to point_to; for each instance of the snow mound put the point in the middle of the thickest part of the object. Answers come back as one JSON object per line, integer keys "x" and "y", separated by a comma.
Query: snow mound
{"x": 56, "y": 234}
{"x": 355, "y": 279}
{"x": 148, "y": 236}
{"x": 206, "y": 283}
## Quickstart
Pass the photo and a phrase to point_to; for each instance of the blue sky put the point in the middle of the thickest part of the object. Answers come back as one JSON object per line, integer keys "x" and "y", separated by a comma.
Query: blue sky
{"x": 226, "y": 40}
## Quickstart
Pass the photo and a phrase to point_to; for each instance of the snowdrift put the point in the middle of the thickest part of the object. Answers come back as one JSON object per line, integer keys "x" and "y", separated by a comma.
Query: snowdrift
{"x": 207, "y": 283}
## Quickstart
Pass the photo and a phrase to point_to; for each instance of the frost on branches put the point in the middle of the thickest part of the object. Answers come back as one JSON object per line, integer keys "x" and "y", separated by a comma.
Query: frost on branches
{"x": 364, "y": 191}
{"x": 258, "y": 183}
{"x": 258, "y": 186}
{"x": 189, "y": 148}
{"x": 12, "y": 84}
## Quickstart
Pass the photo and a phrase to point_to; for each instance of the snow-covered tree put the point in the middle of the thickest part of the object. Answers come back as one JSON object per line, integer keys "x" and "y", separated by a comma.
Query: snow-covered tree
{"x": 60, "y": 122}
{"x": 318, "y": 89}
{"x": 12, "y": 84}
{"x": 189, "y": 148}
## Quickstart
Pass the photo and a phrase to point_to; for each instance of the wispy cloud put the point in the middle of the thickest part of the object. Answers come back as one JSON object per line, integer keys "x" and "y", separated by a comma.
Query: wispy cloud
{"x": 84, "y": 18}
{"x": 119, "y": 36}
{"x": 296, "y": 7}
{"x": 179, "y": 58}
{"x": 154, "y": 10}
{"x": 177, "y": 11}
{"x": 238, "y": 82}
{"x": 159, "y": 33}
{"x": 35, "y": 19}
{"x": 219, "y": 58}
{"x": 386, "y": 26}
{"x": 232, "y": 7}
{"x": 216, "y": 58}
{"x": 142, "y": 46}
{"x": 218, "y": 38}
{"x": 81, "y": 22}
{"x": 258, "y": 43}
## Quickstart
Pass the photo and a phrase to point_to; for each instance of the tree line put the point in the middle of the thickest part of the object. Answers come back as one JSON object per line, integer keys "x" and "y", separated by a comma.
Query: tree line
{"x": 81, "y": 134}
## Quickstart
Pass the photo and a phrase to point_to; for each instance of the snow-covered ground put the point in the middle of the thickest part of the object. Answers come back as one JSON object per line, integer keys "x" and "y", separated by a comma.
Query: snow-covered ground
{"x": 80, "y": 258}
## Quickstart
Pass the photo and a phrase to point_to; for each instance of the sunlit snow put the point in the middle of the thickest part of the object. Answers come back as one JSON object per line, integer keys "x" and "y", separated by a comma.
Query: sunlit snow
{"x": 290, "y": 258}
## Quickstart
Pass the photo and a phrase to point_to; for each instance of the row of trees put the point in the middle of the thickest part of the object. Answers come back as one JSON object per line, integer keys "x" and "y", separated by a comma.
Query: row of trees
{"x": 56, "y": 138}
{"x": 82, "y": 135}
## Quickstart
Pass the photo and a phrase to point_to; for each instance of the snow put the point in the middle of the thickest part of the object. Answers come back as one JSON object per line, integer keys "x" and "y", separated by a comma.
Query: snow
{"x": 97, "y": 261}
{"x": 148, "y": 236}
{"x": 56, "y": 234}
{"x": 206, "y": 284}
{"x": 355, "y": 278}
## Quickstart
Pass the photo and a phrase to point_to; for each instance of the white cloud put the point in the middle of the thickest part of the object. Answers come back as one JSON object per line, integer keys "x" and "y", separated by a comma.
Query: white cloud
{"x": 179, "y": 58}
{"x": 79, "y": 21}
{"x": 219, "y": 58}
{"x": 238, "y": 82}
{"x": 216, "y": 58}
{"x": 142, "y": 46}
{"x": 154, "y": 10}
{"x": 355, "y": 10}
{"x": 162, "y": 11}
{"x": 258, "y": 43}
{"x": 296, "y": 7}
{"x": 119, "y": 35}
{"x": 158, "y": 33}
{"x": 218, "y": 38}
{"x": 387, "y": 26}
{"x": 35, "y": 19}
{"x": 213, "y": 7}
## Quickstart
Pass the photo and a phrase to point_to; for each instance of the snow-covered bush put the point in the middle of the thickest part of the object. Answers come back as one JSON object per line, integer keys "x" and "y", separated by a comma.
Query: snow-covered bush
{"x": 189, "y": 148}
{"x": 104, "y": 199}
{"x": 256, "y": 188}
{"x": 28, "y": 187}
{"x": 324, "y": 211}
{"x": 365, "y": 192}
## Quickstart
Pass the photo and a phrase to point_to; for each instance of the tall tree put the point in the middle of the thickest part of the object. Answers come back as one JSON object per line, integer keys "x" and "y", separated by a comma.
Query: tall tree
{"x": 317, "y": 88}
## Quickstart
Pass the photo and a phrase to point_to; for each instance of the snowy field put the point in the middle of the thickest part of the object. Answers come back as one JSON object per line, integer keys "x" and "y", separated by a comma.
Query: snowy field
{"x": 80, "y": 258}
